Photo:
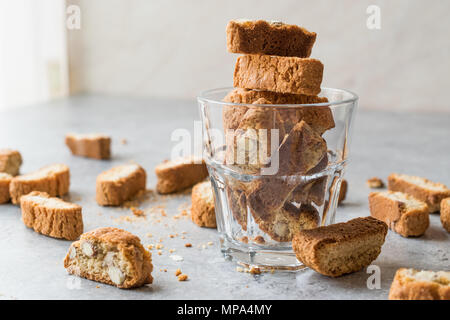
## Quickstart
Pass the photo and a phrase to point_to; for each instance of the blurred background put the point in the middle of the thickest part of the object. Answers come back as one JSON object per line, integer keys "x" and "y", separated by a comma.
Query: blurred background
{"x": 174, "y": 49}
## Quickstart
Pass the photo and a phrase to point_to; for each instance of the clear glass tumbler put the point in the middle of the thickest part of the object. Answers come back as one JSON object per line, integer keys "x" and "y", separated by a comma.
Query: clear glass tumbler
{"x": 275, "y": 169}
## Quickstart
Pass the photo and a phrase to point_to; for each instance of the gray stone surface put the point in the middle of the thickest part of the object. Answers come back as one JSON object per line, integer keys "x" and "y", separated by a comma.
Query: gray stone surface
{"x": 31, "y": 264}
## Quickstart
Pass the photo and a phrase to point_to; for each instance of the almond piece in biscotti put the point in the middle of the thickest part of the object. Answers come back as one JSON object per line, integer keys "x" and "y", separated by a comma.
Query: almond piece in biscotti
{"x": 5, "y": 180}
{"x": 203, "y": 212}
{"x": 10, "y": 161}
{"x": 52, "y": 217}
{"x": 53, "y": 179}
{"x": 112, "y": 256}
{"x": 403, "y": 213}
{"x": 96, "y": 146}
{"x": 119, "y": 184}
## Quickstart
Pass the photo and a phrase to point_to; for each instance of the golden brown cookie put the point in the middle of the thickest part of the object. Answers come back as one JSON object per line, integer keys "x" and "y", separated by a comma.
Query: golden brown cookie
{"x": 375, "y": 183}
{"x": 237, "y": 202}
{"x": 203, "y": 212}
{"x": 445, "y": 213}
{"x": 52, "y": 217}
{"x": 10, "y": 161}
{"x": 53, "y": 179}
{"x": 343, "y": 191}
{"x": 5, "y": 180}
{"x": 119, "y": 184}
{"x": 111, "y": 256}
{"x": 96, "y": 146}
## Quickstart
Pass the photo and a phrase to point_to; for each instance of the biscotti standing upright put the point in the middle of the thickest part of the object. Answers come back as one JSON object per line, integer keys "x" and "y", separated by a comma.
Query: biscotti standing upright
{"x": 112, "y": 256}
{"x": 410, "y": 284}
{"x": 340, "y": 248}
{"x": 403, "y": 214}
{"x": 10, "y": 161}
{"x": 279, "y": 74}
{"x": 203, "y": 210}
{"x": 445, "y": 213}
{"x": 5, "y": 180}
{"x": 271, "y": 38}
{"x": 119, "y": 184}
{"x": 342, "y": 191}
{"x": 52, "y": 179}
{"x": 96, "y": 146}
{"x": 179, "y": 174}
{"x": 51, "y": 216}
{"x": 420, "y": 188}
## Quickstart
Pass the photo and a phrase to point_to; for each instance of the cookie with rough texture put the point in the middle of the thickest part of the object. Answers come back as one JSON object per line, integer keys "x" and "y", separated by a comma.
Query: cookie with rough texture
{"x": 341, "y": 248}
{"x": 53, "y": 179}
{"x": 5, "y": 180}
{"x": 52, "y": 217}
{"x": 271, "y": 38}
{"x": 279, "y": 74}
{"x": 202, "y": 212}
{"x": 420, "y": 188}
{"x": 10, "y": 161}
{"x": 343, "y": 191}
{"x": 403, "y": 213}
{"x": 410, "y": 284}
{"x": 179, "y": 174}
{"x": 96, "y": 146}
{"x": 112, "y": 256}
{"x": 237, "y": 202}
{"x": 119, "y": 184}
{"x": 445, "y": 213}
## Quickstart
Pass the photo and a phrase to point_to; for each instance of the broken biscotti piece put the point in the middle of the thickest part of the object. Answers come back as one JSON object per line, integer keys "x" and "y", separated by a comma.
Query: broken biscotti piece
{"x": 343, "y": 191}
{"x": 445, "y": 213}
{"x": 96, "y": 146}
{"x": 410, "y": 284}
{"x": 340, "y": 248}
{"x": 120, "y": 184}
{"x": 52, "y": 217}
{"x": 402, "y": 213}
{"x": 420, "y": 188}
{"x": 53, "y": 179}
{"x": 279, "y": 74}
{"x": 10, "y": 161}
{"x": 111, "y": 256}
{"x": 271, "y": 38}
{"x": 179, "y": 174}
{"x": 202, "y": 211}
{"x": 375, "y": 183}
{"x": 5, "y": 180}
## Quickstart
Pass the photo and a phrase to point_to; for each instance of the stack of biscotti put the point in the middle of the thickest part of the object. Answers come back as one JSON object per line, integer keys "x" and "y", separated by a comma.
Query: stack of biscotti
{"x": 276, "y": 69}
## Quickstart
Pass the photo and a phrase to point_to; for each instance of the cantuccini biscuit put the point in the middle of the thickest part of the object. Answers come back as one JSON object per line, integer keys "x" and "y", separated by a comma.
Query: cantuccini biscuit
{"x": 5, "y": 180}
{"x": 237, "y": 201}
{"x": 10, "y": 161}
{"x": 445, "y": 213}
{"x": 179, "y": 174}
{"x": 119, "y": 184}
{"x": 96, "y": 146}
{"x": 271, "y": 38}
{"x": 52, "y": 179}
{"x": 279, "y": 74}
{"x": 420, "y": 188}
{"x": 52, "y": 217}
{"x": 410, "y": 284}
{"x": 402, "y": 213}
{"x": 340, "y": 248}
{"x": 112, "y": 256}
{"x": 343, "y": 191}
{"x": 202, "y": 212}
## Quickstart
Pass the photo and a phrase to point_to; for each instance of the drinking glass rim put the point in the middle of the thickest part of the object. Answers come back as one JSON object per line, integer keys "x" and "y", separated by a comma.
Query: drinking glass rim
{"x": 354, "y": 97}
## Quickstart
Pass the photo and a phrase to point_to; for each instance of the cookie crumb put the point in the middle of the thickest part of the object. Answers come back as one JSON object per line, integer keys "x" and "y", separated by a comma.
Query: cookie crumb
{"x": 137, "y": 212}
{"x": 182, "y": 277}
{"x": 255, "y": 270}
{"x": 375, "y": 183}
{"x": 210, "y": 243}
{"x": 178, "y": 272}
{"x": 259, "y": 239}
{"x": 188, "y": 245}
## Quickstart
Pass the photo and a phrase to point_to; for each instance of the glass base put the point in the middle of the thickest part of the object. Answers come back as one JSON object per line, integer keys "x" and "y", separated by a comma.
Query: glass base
{"x": 265, "y": 260}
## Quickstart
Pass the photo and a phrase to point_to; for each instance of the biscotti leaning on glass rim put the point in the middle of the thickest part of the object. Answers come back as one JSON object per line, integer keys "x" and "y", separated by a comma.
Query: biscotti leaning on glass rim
{"x": 119, "y": 184}
{"x": 112, "y": 256}
{"x": 10, "y": 161}
{"x": 91, "y": 145}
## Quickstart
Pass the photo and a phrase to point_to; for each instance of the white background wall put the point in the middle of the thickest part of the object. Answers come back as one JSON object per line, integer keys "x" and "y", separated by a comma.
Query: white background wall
{"x": 176, "y": 48}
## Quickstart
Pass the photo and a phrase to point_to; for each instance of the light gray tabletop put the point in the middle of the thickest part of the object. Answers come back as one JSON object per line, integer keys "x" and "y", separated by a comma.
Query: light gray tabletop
{"x": 31, "y": 264}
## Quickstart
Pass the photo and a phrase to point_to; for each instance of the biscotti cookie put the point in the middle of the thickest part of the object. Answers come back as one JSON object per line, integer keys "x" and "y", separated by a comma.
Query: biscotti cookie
{"x": 5, "y": 180}
{"x": 96, "y": 146}
{"x": 111, "y": 256}
{"x": 420, "y": 188}
{"x": 343, "y": 191}
{"x": 52, "y": 217}
{"x": 237, "y": 201}
{"x": 52, "y": 179}
{"x": 179, "y": 174}
{"x": 445, "y": 213}
{"x": 402, "y": 213}
{"x": 340, "y": 248}
{"x": 119, "y": 184}
{"x": 410, "y": 284}
{"x": 202, "y": 211}
{"x": 279, "y": 74}
{"x": 10, "y": 161}
{"x": 271, "y": 38}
